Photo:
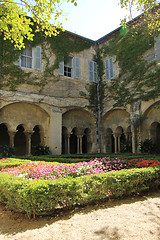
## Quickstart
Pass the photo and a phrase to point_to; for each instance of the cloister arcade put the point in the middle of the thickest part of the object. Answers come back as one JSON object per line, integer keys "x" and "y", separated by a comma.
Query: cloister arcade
{"x": 78, "y": 132}
{"x": 76, "y": 141}
{"x": 21, "y": 140}
{"x": 23, "y": 125}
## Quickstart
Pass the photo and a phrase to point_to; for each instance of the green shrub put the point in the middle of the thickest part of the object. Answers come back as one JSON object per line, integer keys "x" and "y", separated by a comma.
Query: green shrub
{"x": 42, "y": 197}
{"x": 38, "y": 150}
{"x": 126, "y": 147}
{"x": 6, "y": 151}
{"x": 147, "y": 146}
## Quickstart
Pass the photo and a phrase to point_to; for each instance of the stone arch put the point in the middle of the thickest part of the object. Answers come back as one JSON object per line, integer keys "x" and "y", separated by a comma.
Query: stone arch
{"x": 114, "y": 123}
{"x": 22, "y": 118}
{"x": 29, "y": 114}
{"x": 76, "y": 131}
{"x": 151, "y": 119}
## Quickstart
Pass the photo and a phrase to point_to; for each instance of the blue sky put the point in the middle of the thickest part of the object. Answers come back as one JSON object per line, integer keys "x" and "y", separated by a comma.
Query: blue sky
{"x": 93, "y": 18}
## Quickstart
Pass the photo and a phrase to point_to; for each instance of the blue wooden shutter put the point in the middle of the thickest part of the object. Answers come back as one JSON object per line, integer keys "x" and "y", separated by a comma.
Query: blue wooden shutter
{"x": 109, "y": 68}
{"x": 38, "y": 58}
{"x": 77, "y": 67}
{"x": 95, "y": 72}
{"x": 157, "y": 49}
{"x": 92, "y": 71}
{"x": 61, "y": 68}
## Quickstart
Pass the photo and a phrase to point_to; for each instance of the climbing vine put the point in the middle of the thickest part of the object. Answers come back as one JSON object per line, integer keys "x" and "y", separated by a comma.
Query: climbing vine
{"x": 139, "y": 76}
{"x": 61, "y": 46}
{"x": 92, "y": 93}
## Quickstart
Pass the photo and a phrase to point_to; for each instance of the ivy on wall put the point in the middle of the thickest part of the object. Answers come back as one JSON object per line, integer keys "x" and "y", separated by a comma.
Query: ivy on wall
{"x": 92, "y": 93}
{"x": 61, "y": 46}
{"x": 138, "y": 78}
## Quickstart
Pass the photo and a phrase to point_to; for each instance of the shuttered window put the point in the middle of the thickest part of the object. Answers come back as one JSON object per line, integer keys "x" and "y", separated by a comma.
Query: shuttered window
{"x": 109, "y": 68}
{"x": 77, "y": 67}
{"x": 92, "y": 71}
{"x": 70, "y": 68}
{"x": 26, "y": 57}
{"x": 30, "y": 58}
{"x": 38, "y": 58}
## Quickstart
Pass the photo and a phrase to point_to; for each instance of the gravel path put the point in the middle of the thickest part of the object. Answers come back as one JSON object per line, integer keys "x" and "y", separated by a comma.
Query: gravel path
{"x": 132, "y": 218}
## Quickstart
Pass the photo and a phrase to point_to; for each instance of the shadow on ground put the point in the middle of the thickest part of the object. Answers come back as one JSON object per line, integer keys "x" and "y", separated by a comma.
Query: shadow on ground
{"x": 12, "y": 223}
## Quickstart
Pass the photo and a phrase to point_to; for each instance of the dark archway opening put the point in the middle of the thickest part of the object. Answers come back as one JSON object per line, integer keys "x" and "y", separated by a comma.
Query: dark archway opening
{"x": 64, "y": 147}
{"x": 73, "y": 142}
{"x": 35, "y": 138}
{"x": 20, "y": 141}
{"x": 4, "y": 137}
{"x": 84, "y": 144}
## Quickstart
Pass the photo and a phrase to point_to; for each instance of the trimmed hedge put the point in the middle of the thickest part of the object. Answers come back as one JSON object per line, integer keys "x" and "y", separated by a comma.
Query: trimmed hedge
{"x": 42, "y": 197}
{"x": 57, "y": 159}
{"x": 87, "y": 157}
{"x": 11, "y": 162}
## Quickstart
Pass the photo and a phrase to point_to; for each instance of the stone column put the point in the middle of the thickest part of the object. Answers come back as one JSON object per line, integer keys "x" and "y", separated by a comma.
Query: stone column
{"x": 55, "y": 131}
{"x": 80, "y": 144}
{"x": 67, "y": 146}
{"x": 119, "y": 143}
{"x": 28, "y": 142}
{"x": 133, "y": 140}
{"x": 11, "y": 138}
{"x": 115, "y": 143}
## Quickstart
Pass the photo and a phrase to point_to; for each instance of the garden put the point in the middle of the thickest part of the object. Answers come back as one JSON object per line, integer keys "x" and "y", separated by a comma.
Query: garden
{"x": 40, "y": 187}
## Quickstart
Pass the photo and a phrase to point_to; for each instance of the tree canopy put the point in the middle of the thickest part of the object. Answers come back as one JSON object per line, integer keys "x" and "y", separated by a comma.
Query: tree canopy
{"x": 44, "y": 16}
{"x": 150, "y": 10}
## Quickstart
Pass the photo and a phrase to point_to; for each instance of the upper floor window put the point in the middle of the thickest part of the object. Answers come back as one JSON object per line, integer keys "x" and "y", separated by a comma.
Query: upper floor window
{"x": 30, "y": 58}
{"x": 26, "y": 57}
{"x": 109, "y": 68}
{"x": 92, "y": 71}
{"x": 70, "y": 67}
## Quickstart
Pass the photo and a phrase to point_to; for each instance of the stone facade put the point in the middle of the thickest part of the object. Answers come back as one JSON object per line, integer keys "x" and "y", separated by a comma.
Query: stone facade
{"x": 58, "y": 117}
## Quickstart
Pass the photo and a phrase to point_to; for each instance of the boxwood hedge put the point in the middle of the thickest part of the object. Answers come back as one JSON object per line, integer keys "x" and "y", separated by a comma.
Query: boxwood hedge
{"x": 43, "y": 197}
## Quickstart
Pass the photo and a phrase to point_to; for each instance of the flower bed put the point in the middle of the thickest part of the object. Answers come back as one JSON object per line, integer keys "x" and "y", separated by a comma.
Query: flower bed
{"x": 38, "y": 188}
{"x": 48, "y": 171}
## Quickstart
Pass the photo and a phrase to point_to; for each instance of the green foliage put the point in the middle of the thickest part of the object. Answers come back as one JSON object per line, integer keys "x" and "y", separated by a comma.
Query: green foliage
{"x": 39, "y": 149}
{"x": 150, "y": 13}
{"x": 42, "y": 197}
{"x": 138, "y": 78}
{"x": 6, "y": 151}
{"x": 126, "y": 147}
{"x": 16, "y": 27}
{"x": 147, "y": 146}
